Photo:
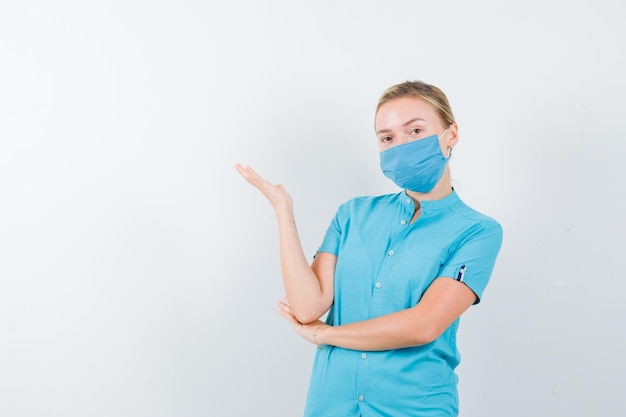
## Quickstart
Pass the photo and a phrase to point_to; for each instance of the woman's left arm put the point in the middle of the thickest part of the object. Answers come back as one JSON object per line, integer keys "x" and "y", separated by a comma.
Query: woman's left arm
{"x": 442, "y": 303}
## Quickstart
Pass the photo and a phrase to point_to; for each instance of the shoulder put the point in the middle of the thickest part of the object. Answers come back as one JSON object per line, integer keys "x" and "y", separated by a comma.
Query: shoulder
{"x": 476, "y": 221}
{"x": 365, "y": 207}
{"x": 361, "y": 203}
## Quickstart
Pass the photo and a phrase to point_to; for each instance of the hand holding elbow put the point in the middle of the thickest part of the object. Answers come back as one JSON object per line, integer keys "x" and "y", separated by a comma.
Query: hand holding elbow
{"x": 305, "y": 315}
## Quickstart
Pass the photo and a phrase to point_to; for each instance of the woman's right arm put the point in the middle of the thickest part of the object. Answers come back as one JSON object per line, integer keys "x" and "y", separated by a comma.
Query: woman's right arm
{"x": 309, "y": 288}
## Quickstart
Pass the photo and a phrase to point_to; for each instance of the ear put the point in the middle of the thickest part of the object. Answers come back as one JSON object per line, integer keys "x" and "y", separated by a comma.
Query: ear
{"x": 453, "y": 136}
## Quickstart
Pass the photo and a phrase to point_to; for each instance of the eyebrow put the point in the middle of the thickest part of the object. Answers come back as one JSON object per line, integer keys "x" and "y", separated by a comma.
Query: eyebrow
{"x": 404, "y": 124}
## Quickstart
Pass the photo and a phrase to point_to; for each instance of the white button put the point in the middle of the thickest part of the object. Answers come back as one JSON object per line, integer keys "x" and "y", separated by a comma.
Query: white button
{"x": 363, "y": 355}
{"x": 408, "y": 200}
{"x": 361, "y": 398}
{"x": 378, "y": 285}
{"x": 391, "y": 252}
{"x": 403, "y": 222}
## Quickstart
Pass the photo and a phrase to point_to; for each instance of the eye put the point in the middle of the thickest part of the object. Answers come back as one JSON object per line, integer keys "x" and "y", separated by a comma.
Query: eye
{"x": 385, "y": 139}
{"x": 415, "y": 131}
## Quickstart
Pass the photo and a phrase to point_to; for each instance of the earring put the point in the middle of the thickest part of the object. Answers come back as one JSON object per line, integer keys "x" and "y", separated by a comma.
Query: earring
{"x": 449, "y": 152}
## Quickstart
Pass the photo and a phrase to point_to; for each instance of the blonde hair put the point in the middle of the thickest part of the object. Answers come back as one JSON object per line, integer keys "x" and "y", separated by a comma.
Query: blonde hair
{"x": 418, "y": 89}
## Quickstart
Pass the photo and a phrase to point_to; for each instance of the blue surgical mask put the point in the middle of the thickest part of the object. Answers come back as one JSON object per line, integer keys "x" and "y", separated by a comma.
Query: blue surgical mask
{"x": 415, "y": 166}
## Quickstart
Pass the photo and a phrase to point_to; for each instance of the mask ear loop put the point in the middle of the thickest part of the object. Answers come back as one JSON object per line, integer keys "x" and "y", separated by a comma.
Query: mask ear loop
{"x": 450, "y": 148}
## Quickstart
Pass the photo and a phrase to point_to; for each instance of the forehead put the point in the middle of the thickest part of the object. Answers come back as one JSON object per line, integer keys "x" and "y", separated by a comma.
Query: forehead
{"x": 400, "y": 110}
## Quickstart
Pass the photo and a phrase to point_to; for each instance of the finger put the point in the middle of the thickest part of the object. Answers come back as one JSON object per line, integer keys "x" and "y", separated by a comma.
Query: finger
{"x": 285, "y": 310}
{"x": 255, "y": 179}
{"x": 290, "y": 318}
{"x": 242, "y": 170}
{"x": 284, "y": 306}
{"x": 254, "y": 176}
{"x": 247, "y": 172}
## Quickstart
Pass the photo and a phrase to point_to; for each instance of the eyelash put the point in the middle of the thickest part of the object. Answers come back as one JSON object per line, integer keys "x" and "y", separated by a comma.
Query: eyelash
{"x": 414, "y": 131}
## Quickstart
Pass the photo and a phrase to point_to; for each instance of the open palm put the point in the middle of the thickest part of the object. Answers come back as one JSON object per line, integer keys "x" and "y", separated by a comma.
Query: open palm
{"x": 275, "y": 193}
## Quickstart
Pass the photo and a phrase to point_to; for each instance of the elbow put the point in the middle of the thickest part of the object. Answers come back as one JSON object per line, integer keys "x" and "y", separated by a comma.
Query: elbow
{"x": 304, "y": 316}
{"x": 308, "y": 314}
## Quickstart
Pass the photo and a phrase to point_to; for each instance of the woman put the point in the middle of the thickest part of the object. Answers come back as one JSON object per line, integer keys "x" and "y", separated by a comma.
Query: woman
{"x": 396, "y": 272}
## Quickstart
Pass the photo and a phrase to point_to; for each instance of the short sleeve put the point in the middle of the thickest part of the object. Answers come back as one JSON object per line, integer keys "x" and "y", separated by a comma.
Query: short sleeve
{"x": 473, "y": 259}
{"x": 332, "y": 238}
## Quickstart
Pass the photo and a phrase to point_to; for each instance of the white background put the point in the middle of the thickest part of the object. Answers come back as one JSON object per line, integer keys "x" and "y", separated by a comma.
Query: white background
{"x": 139, "y": 273}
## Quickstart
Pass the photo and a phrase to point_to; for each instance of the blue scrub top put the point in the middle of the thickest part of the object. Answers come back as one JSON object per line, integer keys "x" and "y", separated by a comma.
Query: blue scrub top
{"x": 385, "y": 264}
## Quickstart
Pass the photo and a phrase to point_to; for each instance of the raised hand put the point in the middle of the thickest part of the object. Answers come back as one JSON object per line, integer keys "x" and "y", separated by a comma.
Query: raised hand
{"x": 276, "y": 194}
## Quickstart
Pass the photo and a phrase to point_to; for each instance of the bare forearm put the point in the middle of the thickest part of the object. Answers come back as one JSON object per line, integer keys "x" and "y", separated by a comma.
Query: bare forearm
{"x": 394, "y": 331}
{"x": 444, "y": 301}
{"x": 302, "y": 286}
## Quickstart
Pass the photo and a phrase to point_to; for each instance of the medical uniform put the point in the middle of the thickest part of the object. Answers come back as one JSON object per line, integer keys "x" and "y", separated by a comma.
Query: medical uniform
{"x": 385, "y": 264}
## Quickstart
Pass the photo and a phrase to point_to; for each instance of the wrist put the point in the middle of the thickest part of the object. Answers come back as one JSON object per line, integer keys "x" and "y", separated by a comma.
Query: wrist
{"x": 320, "y": 335}
{"x": 283, "y": 205}
{"x": 284, "y": 213}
